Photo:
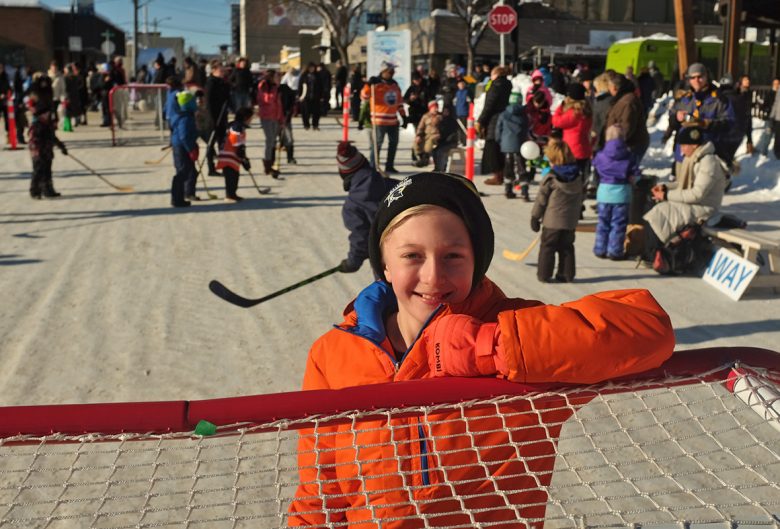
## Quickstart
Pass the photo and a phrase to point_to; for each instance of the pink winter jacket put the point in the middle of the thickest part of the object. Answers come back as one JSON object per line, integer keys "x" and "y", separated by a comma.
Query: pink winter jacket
{"x": 576, "y": 131}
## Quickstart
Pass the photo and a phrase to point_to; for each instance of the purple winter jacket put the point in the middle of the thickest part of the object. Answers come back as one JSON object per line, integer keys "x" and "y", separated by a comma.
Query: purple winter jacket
{"x": 615, "y": 163}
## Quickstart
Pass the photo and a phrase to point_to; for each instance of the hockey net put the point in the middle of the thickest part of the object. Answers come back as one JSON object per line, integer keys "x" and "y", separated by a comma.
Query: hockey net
{"x": 136, "y": 113}
{"x": 695, "y": 442}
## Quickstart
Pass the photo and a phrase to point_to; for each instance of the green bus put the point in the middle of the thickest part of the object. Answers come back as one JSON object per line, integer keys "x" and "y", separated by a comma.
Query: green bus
{"x": 662, "y": 49}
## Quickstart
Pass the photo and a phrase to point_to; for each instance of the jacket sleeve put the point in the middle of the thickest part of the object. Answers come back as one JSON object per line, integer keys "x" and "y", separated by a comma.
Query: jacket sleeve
{"x": 316, "y": 461}
{"x": 540, "y": 204}
{"x": 607, "y": 335}
{"x": 563, "y": 120}
{"x": 707, "y": 174}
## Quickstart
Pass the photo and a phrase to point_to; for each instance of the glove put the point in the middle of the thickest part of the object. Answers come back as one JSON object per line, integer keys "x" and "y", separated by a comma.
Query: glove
{"x": 194, "y": 154}
{"x": 478, "y": 128}
{"x": 461, "y": 346}
{"x": 245, "y": 164}
{"x": 370, "y": 306}
{"x": 63, "y": 150}
{"x": 749, "y": 148}
{"x": 535, "y": 224}
{"x": 404, "y": 121}
{"x": 345, "y": 267}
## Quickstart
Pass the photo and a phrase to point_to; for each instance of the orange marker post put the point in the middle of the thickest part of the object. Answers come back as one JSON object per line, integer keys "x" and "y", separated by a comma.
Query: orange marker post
{"x": 471, "y": 135}
{"x": 345, "y": 113}
{"x": 11, "y": 122}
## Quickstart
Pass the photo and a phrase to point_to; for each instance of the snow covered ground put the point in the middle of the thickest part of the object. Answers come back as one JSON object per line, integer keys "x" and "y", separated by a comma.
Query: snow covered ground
{"x": 105, "y": 294}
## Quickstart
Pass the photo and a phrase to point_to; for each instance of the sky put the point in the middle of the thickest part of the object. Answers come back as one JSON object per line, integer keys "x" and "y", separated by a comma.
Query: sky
{"x": 204, "y": 24}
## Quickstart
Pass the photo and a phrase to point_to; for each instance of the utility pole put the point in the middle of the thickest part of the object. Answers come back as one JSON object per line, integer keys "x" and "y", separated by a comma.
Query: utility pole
{"x": 135, "y": 37}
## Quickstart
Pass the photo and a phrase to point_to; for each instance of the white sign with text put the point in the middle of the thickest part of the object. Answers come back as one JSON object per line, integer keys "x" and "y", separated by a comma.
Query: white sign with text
{"x": 730, "y": 273}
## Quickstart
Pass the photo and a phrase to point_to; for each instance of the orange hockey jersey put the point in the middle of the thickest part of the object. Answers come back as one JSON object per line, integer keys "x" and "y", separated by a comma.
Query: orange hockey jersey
{"x": 385, "y": 99}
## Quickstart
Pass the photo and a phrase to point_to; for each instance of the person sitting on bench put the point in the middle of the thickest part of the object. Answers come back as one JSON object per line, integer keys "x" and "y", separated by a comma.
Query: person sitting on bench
{"x": 701, "y": 185}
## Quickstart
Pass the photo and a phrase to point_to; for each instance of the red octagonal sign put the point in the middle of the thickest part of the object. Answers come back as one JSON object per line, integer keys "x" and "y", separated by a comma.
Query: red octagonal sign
{"x": 502, "y": 19}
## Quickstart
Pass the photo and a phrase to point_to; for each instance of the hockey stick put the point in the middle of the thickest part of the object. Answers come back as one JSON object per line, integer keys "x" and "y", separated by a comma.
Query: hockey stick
{"x": 123, "y": 189}
{"x": 261, "y": 190}
{"x": 211, "y": 195}
{"x": 208, "y": 149}
{"x": 155, "y": 162}
{"x": 513, "y": 256}
{"x": 228, "y": 295}
{"x": 277, "y": 158}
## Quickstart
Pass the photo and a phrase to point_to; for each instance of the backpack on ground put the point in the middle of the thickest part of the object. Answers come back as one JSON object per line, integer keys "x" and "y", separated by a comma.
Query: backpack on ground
{"x": 688, "y": 252}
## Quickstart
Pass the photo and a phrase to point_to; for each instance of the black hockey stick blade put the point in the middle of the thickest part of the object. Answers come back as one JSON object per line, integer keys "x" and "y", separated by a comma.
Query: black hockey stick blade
{"x": 228, "y": 295}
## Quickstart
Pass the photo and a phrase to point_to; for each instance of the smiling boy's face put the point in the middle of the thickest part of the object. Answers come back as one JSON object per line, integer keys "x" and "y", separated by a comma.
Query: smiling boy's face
{"x": 429, "y": 260}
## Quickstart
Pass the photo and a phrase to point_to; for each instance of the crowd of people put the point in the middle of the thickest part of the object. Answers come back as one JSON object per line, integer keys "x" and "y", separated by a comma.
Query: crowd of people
{"x": 598, "y": 128}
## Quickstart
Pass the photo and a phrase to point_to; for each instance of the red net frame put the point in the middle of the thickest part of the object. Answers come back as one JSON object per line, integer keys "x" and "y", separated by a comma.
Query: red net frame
{"x": 241, "y": 418}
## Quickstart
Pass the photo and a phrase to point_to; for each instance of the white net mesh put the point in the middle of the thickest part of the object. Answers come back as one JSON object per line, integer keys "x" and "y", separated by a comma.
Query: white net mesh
{"x": 137, "y": 116}
{"x": 687, "y": 450}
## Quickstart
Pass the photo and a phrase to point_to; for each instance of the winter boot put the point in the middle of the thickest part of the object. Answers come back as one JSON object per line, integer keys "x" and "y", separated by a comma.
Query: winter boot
{"x": 496, "y": 180}
{"x": 508, "y": 191}
{"x": 267, "y": 166}
{"x": 48, "y": 190}
{"x": 524, "y": 192}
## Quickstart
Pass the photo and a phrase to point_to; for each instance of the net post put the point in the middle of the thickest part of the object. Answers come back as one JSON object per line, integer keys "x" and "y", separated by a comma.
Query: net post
{"x": 471, "y": 135}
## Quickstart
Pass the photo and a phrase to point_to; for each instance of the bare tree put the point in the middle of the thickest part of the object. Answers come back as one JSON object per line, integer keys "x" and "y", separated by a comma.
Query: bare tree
{"x": 475, "y": 14}
{"x": 340, "y": 18}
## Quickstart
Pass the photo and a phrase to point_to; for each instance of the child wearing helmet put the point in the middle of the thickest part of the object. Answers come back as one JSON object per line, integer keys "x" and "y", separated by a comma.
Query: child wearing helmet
{"x": 432, "y": 313}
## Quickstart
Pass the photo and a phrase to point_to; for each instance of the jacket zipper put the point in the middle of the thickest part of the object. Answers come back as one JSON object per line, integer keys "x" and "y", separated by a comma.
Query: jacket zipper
{"x": 426, "y": 477}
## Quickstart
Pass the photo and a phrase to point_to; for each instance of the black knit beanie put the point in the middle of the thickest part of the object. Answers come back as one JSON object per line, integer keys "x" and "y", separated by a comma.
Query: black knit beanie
{"x": 450, "y": 191}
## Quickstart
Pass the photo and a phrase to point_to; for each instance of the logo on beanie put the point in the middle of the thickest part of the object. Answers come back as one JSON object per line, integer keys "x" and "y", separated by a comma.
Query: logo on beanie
{"x": 695, "y": 135}
{"x": 398, "y": 191}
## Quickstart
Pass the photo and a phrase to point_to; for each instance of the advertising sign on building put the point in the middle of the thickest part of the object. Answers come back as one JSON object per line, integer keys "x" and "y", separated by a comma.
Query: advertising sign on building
{"x": 390, "y": 47}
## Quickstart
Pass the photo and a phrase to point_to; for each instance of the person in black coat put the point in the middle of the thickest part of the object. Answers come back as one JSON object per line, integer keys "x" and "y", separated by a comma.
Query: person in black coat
{"x": 366, "y": 188}
{"x": 217, "y": 102}
{"x": 496, "y": 101}
{"x": 326, "y": 82}
{"x": 310, "y": 96}
{"x": 355, "y": 86}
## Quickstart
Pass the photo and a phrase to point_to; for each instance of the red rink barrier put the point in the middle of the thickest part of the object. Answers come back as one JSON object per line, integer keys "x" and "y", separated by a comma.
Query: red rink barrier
{"x": 183, "y": 416}
{"x": 11, "y": 122}
{"x": 471, "y": 135}
{"x": 345, "y": 114}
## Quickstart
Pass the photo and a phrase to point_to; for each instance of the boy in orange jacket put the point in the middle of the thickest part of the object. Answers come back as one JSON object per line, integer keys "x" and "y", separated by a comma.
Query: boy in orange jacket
{"x": 434, "y": 313}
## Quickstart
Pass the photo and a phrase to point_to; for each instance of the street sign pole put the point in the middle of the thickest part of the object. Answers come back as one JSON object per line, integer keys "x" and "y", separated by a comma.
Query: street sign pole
{"x": 502, "y": 19}
{"x": 501, "y": 41}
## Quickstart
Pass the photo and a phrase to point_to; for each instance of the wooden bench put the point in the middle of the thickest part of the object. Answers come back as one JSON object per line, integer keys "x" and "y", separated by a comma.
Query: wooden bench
{"x": 751, "y": 244}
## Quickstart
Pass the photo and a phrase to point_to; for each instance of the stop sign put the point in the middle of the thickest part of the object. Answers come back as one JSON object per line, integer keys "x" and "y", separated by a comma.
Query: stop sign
{"x": 502, "y": 19}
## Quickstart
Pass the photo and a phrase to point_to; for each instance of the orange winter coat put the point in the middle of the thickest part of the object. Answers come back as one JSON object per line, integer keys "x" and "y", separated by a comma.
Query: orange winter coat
{"x": 598, "y": 337}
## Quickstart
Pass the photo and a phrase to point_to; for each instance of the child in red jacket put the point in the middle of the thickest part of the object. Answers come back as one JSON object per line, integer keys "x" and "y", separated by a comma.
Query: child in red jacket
{"x": 434, "y": 313}
{"x": 575, "y": 117}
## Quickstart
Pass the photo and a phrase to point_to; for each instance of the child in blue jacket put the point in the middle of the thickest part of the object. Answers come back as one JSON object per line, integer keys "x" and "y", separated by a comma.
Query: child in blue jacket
{"x": 511, "y": 132}
{"x": 184, "y": 142}
{"x": 617, "y": 168}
